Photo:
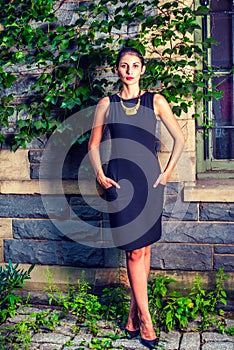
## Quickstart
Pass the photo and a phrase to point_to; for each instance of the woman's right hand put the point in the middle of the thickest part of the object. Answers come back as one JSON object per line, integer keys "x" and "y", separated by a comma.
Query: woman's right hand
{"x": 105, "y": 181}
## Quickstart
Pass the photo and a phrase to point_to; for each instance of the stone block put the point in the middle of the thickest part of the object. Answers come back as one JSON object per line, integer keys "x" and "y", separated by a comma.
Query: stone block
{"x": 190, "y": 341}
{"x": 169, "y": 341}
{"x": 28, "y": 251}
{"x": 96, "y": 202}
{"x": 5, "y": 228}
{"x": 188, "y": 128}
{"x": 75, "y": 254}
{"x": 31, "y": 206}
{"x": 182, "y": 257}
{"x": 185, "y": 169}
{"x": 56, "y": 230}
{"x": 111, "y": 257}
{"x": 224, "y": 261}
{"x": 35, "y": 156}
{"x": 188, "y": 232}
{"x": 14, "y": 165}
{"x": 173, "y": 188}
{"x": 217, "y": 212}
{"x": 38, "y": 142}
{"x": 224, "y": 249}
{"x": 86, "y": 212}
{"x": 20, "y": 187}
{"x": 175, "y": 209}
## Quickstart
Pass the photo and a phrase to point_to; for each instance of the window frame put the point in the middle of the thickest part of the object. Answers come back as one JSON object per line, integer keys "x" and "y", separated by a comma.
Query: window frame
{"x": 207, "y": 165}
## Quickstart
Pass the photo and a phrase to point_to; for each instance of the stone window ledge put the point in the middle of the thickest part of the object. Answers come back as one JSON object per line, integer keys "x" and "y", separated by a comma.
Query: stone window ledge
{"x": 204, "y": 190}
{"x": 209, "y": 190}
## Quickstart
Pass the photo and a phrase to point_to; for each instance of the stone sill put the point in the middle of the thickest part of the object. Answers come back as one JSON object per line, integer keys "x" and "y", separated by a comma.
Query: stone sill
{"x": 45, "y": 187}
{"x": 102, "y": 277}
{"x": 204, "y": 190}
{"x": 210, "y": 190}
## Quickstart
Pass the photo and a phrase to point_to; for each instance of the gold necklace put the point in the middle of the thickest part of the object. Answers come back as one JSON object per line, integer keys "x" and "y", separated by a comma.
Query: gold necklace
{"x": 131, "y": 110}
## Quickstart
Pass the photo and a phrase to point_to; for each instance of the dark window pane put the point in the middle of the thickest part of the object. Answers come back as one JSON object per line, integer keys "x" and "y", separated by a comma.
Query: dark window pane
{"x": 221, "y": 5}
{"x": 223, "y": 143}
{"x": 221, "y": 30}
{"x": 223, "y": 133}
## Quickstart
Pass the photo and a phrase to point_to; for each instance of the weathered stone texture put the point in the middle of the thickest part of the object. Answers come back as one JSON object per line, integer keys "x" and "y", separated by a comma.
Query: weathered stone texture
{"x": 176, "y": 209}
{"x": 224, "y": 249}
{"x": 224, "y": 261}
{"x": 213, "y": 233}
{"x": 86, "y": 213}
{"x": 56, "y": 230}
{"x": 52, "y": 253}
{"x": 182, "y": 257}
{"x": 111, "y": 257}
{"x": 5, "y": 228}
{"x": 14, "y": 165}
{"x": 217, "y": 211}
{"x": 31, "y": 206}
{"x": 27, "y": 251}
{"x": 75, "y": 254}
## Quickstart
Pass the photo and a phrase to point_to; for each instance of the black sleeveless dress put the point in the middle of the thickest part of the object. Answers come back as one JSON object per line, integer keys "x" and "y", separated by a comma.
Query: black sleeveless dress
{"x": 135, "y": 209}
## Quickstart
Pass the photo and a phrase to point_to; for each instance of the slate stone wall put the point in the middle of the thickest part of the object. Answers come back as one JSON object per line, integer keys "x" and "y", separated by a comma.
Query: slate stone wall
{"x": 196, "y": 236}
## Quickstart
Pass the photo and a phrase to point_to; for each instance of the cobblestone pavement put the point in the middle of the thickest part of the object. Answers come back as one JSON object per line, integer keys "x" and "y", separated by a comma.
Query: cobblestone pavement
{"x": 63, "y": 338}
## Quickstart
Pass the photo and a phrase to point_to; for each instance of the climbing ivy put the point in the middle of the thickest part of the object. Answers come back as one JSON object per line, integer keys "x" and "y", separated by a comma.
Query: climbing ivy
{"x": 67, "y": 66}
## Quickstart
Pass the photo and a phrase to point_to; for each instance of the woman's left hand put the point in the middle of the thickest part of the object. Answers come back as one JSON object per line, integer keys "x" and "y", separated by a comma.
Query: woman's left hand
{"x": 162, "y": 179}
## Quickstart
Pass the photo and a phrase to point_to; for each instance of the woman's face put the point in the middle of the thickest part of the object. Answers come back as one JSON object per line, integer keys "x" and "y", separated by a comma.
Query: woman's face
{"x": 130, "y": 69}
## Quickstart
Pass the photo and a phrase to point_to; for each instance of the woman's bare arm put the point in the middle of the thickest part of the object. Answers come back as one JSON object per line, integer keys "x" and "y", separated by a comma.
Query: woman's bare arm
{"x": 95, "y": 140}
{"x": 163, "y": 109}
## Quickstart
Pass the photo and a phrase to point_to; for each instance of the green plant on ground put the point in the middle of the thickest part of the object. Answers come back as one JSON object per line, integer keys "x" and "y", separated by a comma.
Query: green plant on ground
{"x": 206, "y": 302}
{"x": 229, "y": 331}
{"x": 68, "y": 63}
{"x": 11, "y": 279}
{"x": 78, "y": 301}
{"x": 115, "y": 303}
{"x": 172, "y": 309}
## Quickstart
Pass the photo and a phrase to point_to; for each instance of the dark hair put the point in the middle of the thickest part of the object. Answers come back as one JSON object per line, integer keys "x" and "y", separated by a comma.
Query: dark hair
{"x": 131, "y": 51}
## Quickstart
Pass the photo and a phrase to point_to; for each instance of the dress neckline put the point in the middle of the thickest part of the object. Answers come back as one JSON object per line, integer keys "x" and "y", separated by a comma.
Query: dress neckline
{"x": 133, "y": 98}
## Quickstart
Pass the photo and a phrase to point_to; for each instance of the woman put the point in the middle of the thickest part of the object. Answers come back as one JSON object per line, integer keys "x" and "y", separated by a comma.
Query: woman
{"x": 131, "y": 115}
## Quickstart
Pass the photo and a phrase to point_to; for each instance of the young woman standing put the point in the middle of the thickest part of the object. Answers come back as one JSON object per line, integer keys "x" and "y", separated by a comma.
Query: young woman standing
{"x": 136, "y": 210}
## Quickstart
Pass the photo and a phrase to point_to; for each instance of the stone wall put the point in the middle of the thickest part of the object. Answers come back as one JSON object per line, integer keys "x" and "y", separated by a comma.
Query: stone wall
{"x": 197, "y": 235}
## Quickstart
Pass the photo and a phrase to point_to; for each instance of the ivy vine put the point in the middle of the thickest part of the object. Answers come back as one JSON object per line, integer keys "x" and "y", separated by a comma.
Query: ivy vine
{"x": 66, "y": 65}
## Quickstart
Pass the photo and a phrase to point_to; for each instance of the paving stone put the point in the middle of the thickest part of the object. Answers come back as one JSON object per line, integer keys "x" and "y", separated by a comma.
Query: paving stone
{"x": 218, "y": 346}
{"x": 216, "y": 337}
{"x": 53, "y": 338}
{"x": 128, "y": 344}
{"x": 169, "y": 341}
{"x": 80, "y": 338}
{"x": 190, "y": 341}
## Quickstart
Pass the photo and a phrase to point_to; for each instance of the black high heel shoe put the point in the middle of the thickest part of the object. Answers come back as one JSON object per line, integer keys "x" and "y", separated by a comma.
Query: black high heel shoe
{"x": 131, "y": 334}
{"x": 150, "y": 344}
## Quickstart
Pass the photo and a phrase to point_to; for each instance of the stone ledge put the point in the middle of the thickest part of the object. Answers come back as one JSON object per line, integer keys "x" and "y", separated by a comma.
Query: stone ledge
{"x": 70, "y": 187}
{"x": 100, "y": 277}
{"x": 210, "y": 190}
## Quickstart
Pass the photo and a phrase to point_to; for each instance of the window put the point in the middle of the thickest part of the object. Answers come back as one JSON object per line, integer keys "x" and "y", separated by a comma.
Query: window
{"x": 216, "y": 152}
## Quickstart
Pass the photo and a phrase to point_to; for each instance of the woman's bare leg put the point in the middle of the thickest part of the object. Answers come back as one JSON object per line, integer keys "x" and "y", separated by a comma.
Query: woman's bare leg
{"x": 138, "y": 262}
{"x": 133, "y": 319}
